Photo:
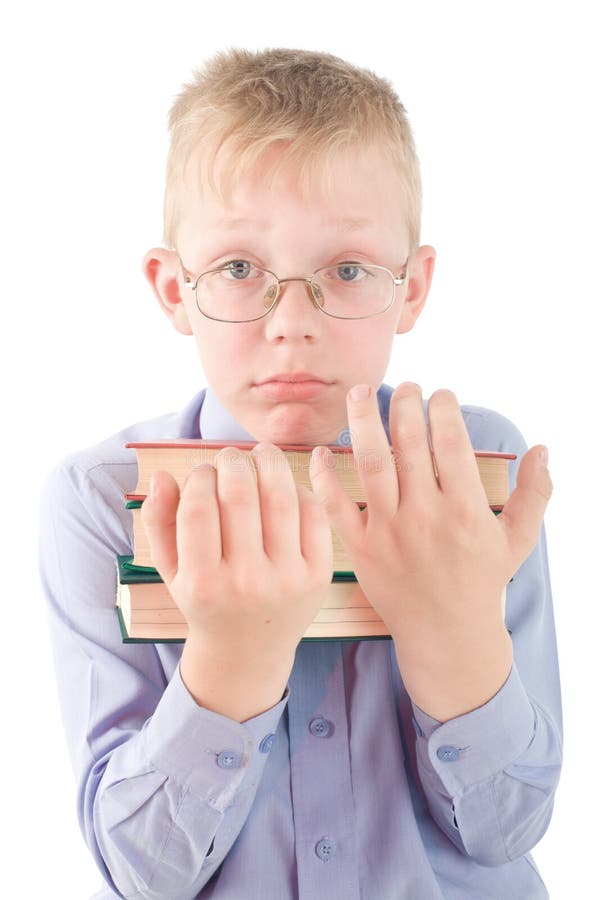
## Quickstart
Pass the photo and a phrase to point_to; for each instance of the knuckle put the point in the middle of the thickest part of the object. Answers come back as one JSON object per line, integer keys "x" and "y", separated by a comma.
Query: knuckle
{"x": 327, "y": 504}
{"x": 251, "y": 581}
{"x": 450, "y": 436}
{"x": 192, "y": 504}
{"x": 401, "y": 464}
{"x": 466, "y": 526}
{"x": 194, "y": 586}
{"x": 370, "y": 461}
{"x": 409, "y": 436}
{"x": 422, "y": 523}
{"x": 280, "y": 502}
{"x": 544, "y": 492}
{"x": 236, "y": 494}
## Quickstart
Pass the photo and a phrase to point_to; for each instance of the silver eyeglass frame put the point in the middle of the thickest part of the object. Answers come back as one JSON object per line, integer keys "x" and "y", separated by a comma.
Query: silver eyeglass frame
{"x": 191, "y": 282}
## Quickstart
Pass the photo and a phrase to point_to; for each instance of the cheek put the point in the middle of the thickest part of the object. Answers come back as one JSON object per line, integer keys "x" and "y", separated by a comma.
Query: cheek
{"x": 226, "y": 352}
{"x": 373, "y": 343}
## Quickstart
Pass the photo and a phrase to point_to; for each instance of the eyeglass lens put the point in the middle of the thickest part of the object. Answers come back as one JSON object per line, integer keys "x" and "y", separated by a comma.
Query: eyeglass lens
{"x": 241, "y": 292}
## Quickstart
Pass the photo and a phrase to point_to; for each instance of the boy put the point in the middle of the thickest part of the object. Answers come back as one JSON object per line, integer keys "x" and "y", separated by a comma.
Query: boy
{"x": 246, "y": 764}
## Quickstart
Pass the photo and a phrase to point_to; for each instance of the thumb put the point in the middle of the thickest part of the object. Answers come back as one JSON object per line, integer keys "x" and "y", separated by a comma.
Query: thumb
{"x": 523, "y": 512}
{"x": 159, "y": 517}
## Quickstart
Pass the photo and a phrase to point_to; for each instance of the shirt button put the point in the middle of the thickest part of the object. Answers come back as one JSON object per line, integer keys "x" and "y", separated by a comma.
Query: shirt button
{"x": 228, "y": 759}
{"x": 447, "y": 753}
{"x": 325, "y": 849}
{"x": 266, "y": 743}
{"x": 319, "y": 727}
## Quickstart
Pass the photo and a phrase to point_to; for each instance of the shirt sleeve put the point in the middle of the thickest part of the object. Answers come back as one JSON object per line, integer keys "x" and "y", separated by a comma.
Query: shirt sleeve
{"x": 164, "y": 786}
{"x": 490, "y": 776}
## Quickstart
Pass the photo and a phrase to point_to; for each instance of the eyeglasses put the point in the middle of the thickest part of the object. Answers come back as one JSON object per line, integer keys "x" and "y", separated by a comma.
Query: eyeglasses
{"x": 241, "y": 292}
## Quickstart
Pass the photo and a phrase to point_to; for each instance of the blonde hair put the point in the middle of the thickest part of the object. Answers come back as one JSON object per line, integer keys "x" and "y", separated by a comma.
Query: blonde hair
{"x": 313, "y": 105}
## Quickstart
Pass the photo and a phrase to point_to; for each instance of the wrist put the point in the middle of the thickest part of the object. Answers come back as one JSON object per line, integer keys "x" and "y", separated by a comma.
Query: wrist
{"x": 235, "y": 682}
{"x": 451, "y": 675}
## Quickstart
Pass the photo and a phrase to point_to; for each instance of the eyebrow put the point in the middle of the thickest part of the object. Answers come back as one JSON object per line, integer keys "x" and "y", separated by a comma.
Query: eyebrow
{"x": 342, "y": 223}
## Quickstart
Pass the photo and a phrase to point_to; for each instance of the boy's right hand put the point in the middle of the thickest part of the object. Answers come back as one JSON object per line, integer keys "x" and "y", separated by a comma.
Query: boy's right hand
{"x": 246, "y": 555}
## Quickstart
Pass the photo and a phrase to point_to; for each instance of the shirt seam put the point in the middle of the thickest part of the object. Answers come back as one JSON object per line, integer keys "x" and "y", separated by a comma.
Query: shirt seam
{"x": 184, "y": 792}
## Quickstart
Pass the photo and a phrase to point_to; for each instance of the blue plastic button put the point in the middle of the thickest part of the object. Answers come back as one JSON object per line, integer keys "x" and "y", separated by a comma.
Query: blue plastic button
{"x": 266, "y": 743}
{"x": 325, "y": 849}
{"x": 229, "y": 759}
{"x": 319, "y": 727}
{"x": 447, "y": 753}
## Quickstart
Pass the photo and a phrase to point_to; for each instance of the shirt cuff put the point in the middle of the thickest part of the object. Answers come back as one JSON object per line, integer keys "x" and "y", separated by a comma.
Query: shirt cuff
{"x": 473, "y": 747}
{"x": 209, "y": 753}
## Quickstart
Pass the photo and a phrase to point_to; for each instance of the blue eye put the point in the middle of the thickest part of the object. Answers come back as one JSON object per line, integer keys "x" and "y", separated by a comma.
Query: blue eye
{"x": 239, "y": 268}
{"x": 350, "y": 271}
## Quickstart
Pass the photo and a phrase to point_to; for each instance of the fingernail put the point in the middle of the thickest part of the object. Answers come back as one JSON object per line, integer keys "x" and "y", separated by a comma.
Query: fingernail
{"x": 360, "y": 392}
{"x": 323, "y": 456}
{"x": 544, "y": 456}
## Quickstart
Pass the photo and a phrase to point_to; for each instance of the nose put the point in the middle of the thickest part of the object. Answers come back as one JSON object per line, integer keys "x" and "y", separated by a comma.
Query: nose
{"x": 311, "y": 296}
{"x": 292, "y": 317}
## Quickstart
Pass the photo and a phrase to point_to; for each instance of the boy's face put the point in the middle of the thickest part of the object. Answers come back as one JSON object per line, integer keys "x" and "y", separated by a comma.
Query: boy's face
{"x": 293, "y": 236}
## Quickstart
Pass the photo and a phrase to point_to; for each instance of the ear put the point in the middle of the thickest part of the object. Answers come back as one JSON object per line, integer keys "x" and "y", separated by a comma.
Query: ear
{"x": 420, "y": 273}
{"x": 162, "y": 269}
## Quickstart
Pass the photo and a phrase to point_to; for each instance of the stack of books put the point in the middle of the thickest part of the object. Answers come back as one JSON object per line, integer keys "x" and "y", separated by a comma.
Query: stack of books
{"x": 146, "y": 610}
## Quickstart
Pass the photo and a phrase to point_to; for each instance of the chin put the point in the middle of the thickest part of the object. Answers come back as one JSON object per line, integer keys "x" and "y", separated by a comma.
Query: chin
{"x": 295, "y": 424}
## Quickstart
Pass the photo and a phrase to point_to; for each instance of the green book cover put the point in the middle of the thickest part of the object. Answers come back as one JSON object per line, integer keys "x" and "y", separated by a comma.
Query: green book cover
{"x": 133, "y": 575}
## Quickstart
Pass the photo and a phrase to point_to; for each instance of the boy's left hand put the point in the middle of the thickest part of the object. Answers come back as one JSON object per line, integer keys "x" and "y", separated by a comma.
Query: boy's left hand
{"x": 430, "y": 556}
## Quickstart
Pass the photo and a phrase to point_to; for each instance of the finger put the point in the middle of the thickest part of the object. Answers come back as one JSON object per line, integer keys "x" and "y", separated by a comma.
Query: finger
{"x": 373, "y": 458}
{"x": 239, "y": 505}
{"x": 198, "y": 520}
{"x": 523, "y": 512}
{"x": 458, "y": 472}
{"x": 278, "y": 499}
{"x": 342, "y": 512}
{"x": 412, "y": 452}
{"x": 159, "y": 511}
{"x": 315, "y": 532}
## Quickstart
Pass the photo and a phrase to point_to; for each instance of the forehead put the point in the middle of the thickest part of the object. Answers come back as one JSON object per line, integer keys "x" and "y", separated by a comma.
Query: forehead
{"x": 350, "y": 192}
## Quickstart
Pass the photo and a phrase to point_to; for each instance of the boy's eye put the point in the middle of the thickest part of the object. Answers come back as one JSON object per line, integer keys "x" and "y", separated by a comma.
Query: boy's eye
{"x": 239, "y": 269}
{"x": 349, "y": 271}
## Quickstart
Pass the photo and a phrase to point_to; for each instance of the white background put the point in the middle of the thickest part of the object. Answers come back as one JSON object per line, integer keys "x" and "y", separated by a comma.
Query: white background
{"x": 503, "y": 101}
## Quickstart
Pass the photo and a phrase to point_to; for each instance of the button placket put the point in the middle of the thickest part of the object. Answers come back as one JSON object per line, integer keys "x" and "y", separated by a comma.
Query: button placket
{"x": 325, "y": 813}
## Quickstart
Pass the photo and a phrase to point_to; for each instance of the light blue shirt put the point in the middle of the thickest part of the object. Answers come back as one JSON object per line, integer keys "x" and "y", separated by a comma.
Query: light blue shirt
{"x": 345, "y": 789}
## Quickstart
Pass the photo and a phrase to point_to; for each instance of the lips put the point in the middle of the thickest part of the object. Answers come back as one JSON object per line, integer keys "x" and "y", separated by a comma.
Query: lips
{"x": 293, "y": 378}
{"x": 283, "y": 388}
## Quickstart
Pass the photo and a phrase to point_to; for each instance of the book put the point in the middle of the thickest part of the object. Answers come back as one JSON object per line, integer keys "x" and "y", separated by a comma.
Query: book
{"x": 148, "y": 614}
{"x": 142, "y": 558}
{"x": 179, "y": 458}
